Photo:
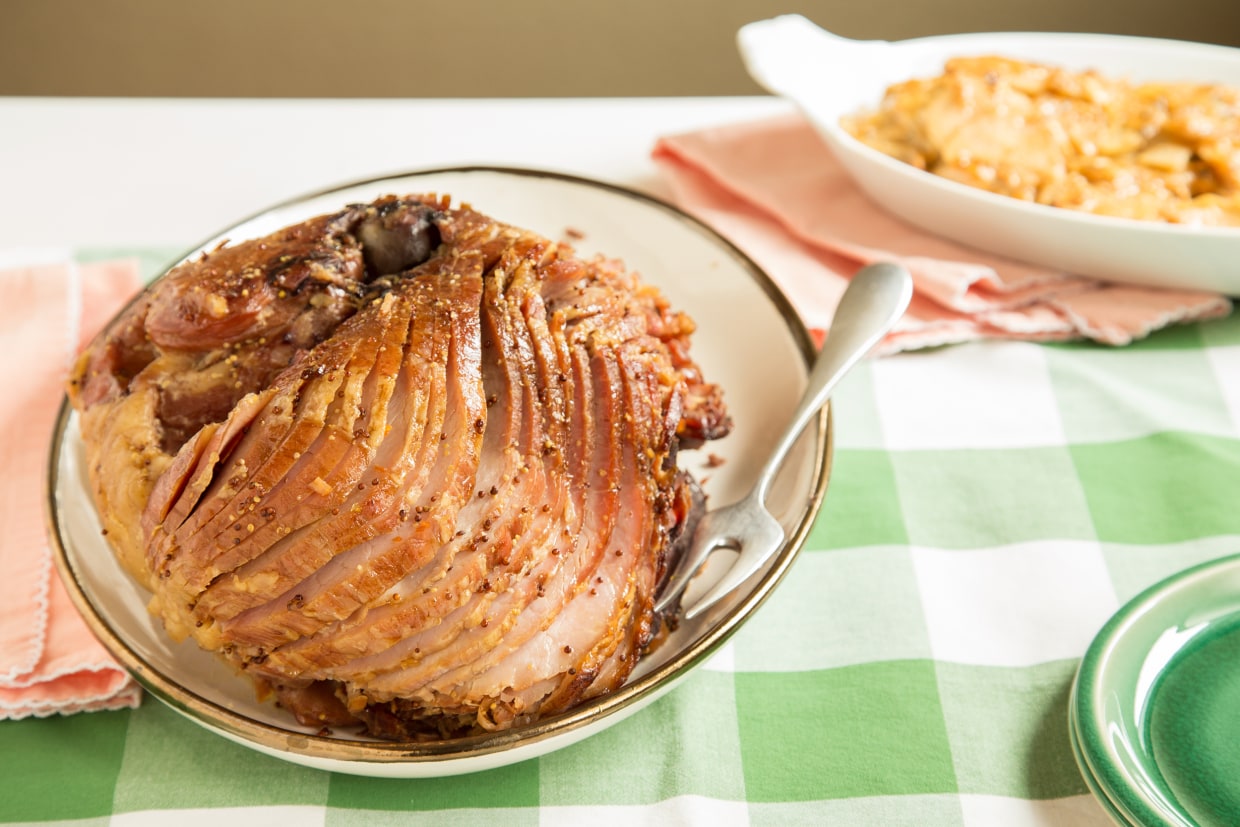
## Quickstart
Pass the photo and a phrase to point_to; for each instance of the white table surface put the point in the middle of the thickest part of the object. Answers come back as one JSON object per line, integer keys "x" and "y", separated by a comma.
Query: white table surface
{"x": 117, "y": 172}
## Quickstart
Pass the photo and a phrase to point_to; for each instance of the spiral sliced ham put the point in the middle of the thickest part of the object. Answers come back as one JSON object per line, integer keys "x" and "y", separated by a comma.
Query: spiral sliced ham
{"x": 405, "y": 465}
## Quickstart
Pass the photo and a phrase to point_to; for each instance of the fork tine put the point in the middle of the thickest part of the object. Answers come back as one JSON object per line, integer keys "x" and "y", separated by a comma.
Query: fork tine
{"x": 703, "y": 543}
{"x": 754, "y": 552}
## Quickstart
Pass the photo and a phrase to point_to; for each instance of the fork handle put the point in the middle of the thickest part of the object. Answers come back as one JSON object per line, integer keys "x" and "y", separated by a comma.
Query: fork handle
{"x": 872, "y": 303}
{"x": 874, "y": 300}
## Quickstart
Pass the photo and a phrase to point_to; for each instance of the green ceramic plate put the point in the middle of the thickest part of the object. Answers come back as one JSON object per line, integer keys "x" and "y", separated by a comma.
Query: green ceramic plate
{"x": 1155, "y": 710}
{"x": 1090, "y": 781}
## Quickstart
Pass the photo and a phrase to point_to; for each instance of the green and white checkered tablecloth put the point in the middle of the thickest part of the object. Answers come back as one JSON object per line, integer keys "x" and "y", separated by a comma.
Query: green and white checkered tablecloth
{"x": 991, "y": 506}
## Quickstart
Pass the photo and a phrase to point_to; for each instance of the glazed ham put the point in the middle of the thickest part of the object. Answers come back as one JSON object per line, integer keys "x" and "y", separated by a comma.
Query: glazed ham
{"x": 404, "y": 465}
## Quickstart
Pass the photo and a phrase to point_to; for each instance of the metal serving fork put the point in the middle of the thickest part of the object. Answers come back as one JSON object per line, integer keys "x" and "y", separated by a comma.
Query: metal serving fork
{"x": 875, "y": 298}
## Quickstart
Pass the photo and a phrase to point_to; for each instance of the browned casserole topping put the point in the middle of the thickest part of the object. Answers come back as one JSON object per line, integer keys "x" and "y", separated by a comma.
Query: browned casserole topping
{"x": 1080, "y": 140}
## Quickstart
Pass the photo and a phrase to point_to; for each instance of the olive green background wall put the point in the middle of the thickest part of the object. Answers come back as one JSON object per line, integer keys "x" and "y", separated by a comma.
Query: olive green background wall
{"x": 474, "y": 48}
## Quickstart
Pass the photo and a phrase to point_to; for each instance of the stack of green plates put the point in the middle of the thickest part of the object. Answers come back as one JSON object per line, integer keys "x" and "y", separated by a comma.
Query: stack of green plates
{"x": 1155, "y": 710}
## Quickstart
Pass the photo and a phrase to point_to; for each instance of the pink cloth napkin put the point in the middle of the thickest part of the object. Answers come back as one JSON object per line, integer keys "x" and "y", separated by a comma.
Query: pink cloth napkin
{"x": 775, "y": 190}
{"x": 49, "y": 660}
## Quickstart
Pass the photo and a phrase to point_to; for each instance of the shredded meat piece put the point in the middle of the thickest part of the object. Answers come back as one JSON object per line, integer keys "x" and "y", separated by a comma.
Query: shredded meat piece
{"x": 1079, "y": 140}
{"x": 403, "y": 465}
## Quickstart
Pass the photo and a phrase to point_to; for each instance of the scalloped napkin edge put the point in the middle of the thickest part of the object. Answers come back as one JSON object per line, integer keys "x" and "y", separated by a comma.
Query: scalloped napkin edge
{"x": 775, "y": 190}
{"x": 49, "y": 661}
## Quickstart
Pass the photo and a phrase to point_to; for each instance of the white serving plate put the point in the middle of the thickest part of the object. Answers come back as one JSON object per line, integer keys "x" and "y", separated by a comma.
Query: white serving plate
{"x": 749, "y": 340}
{"x": 828, "y": 76}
